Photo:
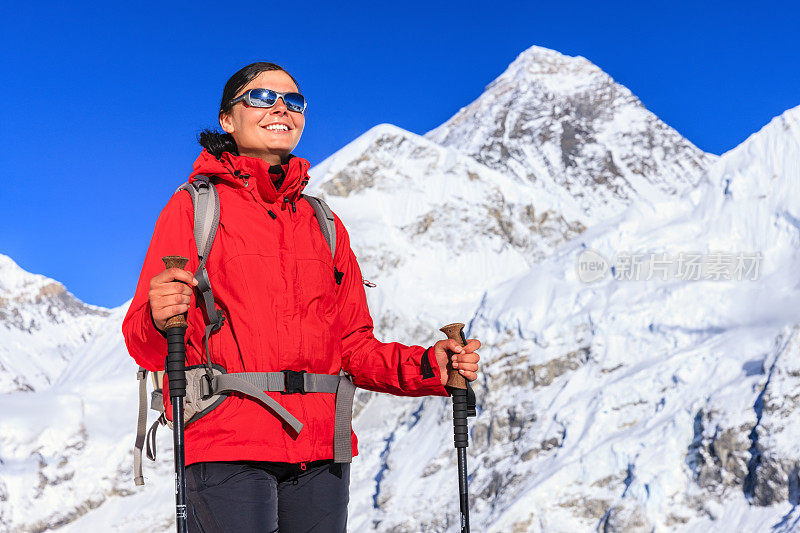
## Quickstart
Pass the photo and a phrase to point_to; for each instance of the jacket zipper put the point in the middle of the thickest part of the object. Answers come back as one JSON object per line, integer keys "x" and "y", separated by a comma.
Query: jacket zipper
{"x": 296, "y": 284}
{"x": 264, "y": 205}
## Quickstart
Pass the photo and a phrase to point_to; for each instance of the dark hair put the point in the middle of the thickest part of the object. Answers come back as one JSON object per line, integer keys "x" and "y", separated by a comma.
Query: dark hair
{"x": 216, "y": 142}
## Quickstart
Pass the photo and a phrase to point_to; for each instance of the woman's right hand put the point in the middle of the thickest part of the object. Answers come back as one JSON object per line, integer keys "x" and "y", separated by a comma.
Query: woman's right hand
{"x": 170, "y": 294}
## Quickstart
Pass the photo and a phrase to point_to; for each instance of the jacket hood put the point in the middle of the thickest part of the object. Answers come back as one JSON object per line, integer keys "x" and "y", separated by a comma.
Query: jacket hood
{"x": 253, "y": 172}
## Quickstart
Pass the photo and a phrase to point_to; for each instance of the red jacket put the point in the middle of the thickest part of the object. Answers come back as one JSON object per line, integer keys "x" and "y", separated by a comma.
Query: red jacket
{"x": 274, "y": 279}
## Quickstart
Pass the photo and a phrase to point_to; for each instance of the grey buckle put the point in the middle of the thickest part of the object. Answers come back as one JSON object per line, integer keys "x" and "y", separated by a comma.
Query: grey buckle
{"x": 206, "y": 387}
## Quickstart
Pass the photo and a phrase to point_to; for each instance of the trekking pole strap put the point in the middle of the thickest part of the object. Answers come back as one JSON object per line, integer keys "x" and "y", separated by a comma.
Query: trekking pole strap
{"x": 471, "y": 410}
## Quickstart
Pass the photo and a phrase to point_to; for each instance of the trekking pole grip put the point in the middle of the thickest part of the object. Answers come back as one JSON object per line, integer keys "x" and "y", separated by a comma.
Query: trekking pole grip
{"x": 456, "y": 332}
{"x": 176, "y": 349}
{"x": 175, "y": 261}
{"x": 457, "y": 385}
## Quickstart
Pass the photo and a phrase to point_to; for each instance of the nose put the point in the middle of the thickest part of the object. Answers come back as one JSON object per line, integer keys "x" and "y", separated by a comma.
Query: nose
{"x": 280, "y": 106}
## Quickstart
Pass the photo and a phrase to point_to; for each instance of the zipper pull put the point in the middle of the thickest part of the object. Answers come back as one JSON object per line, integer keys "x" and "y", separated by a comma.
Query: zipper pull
{"x": 241, "y": 175}
{"x": 303, "y": 467}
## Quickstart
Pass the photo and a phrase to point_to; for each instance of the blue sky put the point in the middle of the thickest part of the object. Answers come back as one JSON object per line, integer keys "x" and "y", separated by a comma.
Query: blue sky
{"x": 103, "y": 103}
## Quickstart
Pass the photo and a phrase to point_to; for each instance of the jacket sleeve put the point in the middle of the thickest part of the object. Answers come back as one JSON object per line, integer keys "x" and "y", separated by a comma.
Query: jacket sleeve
{"x": 378, "y": 366}
{"x": 173, "y": 235}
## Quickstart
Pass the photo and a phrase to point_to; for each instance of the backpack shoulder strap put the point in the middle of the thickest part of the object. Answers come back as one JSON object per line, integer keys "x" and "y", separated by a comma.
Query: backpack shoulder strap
{"x": 325, "y": 219}
{"x": 205, "y": 200}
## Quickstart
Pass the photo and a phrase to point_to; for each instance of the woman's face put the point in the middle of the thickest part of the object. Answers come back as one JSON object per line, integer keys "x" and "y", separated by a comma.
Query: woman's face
{"x": 248, "y": 125}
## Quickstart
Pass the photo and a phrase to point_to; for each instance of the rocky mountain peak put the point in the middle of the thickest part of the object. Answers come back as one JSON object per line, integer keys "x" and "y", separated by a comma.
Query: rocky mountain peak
{"x": 41, "y": 326}
{"x": 551, "y": 69}
{"x": 15, "y": 282}
{"x": 28, "y": 301}
{"x": 563, "y": 123}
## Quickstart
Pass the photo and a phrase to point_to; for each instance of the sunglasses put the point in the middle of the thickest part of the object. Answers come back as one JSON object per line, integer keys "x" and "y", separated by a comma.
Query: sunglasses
{"x": 267, "y": 98}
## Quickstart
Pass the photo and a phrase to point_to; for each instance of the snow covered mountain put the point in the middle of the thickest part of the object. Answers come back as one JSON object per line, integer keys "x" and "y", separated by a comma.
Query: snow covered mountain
{"x": 660, "y": 404}
{"x": 417, "y": 212}
{"x": 500, "y": 185}
{"x": 41, "y": 325}
{"x": 535, "y": 367}
{"x": 617, "y": 405}
{"x": 564, "y": 126}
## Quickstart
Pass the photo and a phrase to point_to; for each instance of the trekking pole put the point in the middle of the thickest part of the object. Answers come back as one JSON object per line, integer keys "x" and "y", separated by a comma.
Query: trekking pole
{"x": 176, "y": 374}
{"x": 458, "y": 387}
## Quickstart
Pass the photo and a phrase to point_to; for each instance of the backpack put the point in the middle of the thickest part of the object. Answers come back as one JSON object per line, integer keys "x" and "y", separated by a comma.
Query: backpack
{"x": 208, "y": 384}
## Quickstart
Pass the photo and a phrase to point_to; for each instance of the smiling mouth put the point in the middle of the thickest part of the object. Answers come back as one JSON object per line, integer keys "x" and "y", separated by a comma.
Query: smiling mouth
{"x": 277, "y": 128}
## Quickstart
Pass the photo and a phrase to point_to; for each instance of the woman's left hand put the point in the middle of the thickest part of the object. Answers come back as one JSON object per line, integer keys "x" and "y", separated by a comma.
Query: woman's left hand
{"x": 464, "y": 358}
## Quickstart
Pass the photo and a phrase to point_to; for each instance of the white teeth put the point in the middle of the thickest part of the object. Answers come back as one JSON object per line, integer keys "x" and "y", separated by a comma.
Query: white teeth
{"x": 278, "y": 127}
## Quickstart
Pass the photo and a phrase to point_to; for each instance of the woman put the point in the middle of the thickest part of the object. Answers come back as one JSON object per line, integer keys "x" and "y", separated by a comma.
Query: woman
{"x": 288, "y": 305}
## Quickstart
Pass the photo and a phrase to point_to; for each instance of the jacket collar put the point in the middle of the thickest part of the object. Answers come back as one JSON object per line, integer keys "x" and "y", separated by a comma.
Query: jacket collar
{"x": 253, "y": 172}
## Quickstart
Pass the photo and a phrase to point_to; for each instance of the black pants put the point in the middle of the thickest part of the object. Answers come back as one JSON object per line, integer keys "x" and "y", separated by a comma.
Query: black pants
{"x": 251, "y": 497}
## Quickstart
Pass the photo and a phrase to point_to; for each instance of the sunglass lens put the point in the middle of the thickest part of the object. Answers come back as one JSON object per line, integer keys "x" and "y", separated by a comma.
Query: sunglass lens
{"x": 263, "y": 97}
{"x": 295, "y": 102}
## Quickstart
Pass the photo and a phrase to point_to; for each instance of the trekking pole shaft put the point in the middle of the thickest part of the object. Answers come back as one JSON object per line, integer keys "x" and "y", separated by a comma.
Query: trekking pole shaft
{"x": 176, "y": 375}
{"x": 461, "y": 441}
{"x": 457, "y": 386}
